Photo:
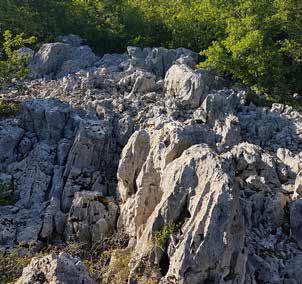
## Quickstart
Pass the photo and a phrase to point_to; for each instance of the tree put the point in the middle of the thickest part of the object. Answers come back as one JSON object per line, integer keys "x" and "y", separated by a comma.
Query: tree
{"x": 262, "y": 46}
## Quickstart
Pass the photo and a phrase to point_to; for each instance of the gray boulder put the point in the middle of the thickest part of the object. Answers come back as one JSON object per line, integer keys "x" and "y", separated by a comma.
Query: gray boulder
{"x": 204, "y": 203}
{"x": 296, "y": 221}
{"x": 56, "y": 269}
{"x": 51, "y": 120}
{"x": 71, "y": 39}
{"x": 82, "y": 57}
{"x": 218, "y": 105}
{"x": 138, "y": 83}
{"x": 91, "y": 160}
{"x": 59, "y": 59}
{"x": 188, "y": 87}
{"x": 49, "y": 59}
{"x": 141, "y": 168}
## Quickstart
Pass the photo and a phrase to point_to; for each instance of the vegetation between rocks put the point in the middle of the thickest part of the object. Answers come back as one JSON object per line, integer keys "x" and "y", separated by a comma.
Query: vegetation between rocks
{"x": 8, "y": 108}
{"x": 160, "y": 237}
{"x": 6, "y": 193}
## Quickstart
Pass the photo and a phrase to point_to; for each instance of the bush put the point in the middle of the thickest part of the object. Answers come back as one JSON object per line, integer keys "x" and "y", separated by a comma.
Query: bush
{"x": 8, "y": 108}
{"x": 12, "y": 62}
{"x": 6, "y": 193}
{"x": 160, "y": 237}
{"x": 258, "y": 43}
{"x": 262, "y": 46}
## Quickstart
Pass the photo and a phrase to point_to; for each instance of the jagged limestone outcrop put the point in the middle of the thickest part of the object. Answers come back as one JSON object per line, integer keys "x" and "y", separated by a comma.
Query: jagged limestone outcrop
{"x": 206, "y": 184}
{"x": 55, "y": 269}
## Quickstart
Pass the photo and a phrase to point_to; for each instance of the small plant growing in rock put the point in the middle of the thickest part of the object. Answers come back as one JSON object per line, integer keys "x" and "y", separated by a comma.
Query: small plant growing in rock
{"x": 160, "y": 237}
{"x": 9, "y": 108}
{"x": 6, "y": 193}
{"x": 118, "y": 269}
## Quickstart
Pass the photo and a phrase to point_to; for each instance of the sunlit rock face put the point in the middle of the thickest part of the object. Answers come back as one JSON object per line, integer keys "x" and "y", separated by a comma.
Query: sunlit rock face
{"x": 206, "y": 185}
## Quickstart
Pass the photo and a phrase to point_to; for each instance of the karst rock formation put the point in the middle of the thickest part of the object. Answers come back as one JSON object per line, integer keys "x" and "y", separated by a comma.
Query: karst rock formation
{"x": 143, "y": 141}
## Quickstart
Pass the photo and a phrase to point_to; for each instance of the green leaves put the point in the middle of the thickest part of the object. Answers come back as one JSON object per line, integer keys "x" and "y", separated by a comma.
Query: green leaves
{"x": 262, "y": 46}
{"x": 12, "y": 62}
{"x": 258, "y": 42}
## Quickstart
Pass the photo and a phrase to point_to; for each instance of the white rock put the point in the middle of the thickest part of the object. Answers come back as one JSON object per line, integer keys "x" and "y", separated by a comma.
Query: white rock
{"x": 55, "y": 269}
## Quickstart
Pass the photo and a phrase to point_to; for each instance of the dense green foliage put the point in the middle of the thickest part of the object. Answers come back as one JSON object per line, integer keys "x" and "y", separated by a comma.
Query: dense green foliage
{"x": 258, "y": 42}
{"x": 262, "y": 45}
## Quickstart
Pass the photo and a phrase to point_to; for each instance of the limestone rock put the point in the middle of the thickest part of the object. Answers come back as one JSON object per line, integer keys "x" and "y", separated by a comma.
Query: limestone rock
{"x": 7, "y": 231}
{"x": 55, "y": 269}
{"x": 270, "y": 129}
{"x": 187, "y": 86}
{"x": 228, "y": 131}
{"x": 32, "y": 175}
{"x": 92, "y": 217}
{"x": 204, "y": 203}
{"x": 48, "y": 119}
{"x": 139, "y": 82}
{"x": 133, "y": 156}
{"x": 59, "y": 59}
{"x": 82, "y": 57}
{"x": 218, "y": 105}
{"x": 10, "y": 136}
{"x": 91, "y": 156}
{"x": 166, "y": 145}
{"x": 298, "y": 185}
{"x": 294, "y": 162}
{"x": 53, "y": 221}
{"x": 49, "y": 59}
{"x": 158, "y": 60}
{"x": 296, "y": 221}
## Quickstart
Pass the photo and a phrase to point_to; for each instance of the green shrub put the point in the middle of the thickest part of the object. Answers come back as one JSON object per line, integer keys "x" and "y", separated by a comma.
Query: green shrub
{"x": 258, "y": 43}
{"x": 8, "y": 109}
{"x": 160, "y": 237}
{"x": 262, "y": 46}
{"x": 12, "y": 63}
{"x": 6, "y": 193}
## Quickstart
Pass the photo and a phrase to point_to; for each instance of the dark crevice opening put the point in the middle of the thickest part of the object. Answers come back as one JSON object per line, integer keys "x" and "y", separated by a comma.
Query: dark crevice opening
{"x": 164, "y": 263}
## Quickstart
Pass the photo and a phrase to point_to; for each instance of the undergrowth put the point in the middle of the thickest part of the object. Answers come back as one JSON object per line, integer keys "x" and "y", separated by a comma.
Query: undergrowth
{"x": 6, "y": 193}
{"x": 160, "y": 237}
{"x": 9, "y": 108}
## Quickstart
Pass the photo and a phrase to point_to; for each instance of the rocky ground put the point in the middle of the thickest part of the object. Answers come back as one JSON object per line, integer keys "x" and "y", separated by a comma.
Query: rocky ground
{"x": 205, "y": 186}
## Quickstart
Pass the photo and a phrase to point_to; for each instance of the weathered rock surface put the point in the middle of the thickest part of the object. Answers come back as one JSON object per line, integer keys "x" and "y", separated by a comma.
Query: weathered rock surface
{"x": 295, "y": 221}
{"x": 188, "y": 86}
{"x": 59, "y": 59}
{"x": 159, "y": 60}
{"x": 203, "y": 202}
{"x": 206, "y": 185}
{"x": 55, "y": 269}
{"x": 140, "y": 169}
{"x": 91, "y": 218}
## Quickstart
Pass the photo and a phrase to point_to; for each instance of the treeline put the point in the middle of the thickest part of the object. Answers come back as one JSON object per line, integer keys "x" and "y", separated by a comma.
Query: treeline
{"x": 258, "y": 42}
